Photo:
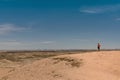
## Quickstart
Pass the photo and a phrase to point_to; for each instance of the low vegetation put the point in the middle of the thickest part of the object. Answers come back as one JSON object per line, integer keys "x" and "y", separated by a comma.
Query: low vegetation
{"x": 69, "y": 61}
{"x": 17, "y": 57}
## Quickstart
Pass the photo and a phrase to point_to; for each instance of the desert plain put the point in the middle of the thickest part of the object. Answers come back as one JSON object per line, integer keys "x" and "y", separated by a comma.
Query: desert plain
{"x": 60, "y": 65}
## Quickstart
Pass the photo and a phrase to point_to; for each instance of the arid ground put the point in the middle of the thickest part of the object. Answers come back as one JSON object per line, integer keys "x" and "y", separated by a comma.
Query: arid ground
{"x": 60, "y": 65}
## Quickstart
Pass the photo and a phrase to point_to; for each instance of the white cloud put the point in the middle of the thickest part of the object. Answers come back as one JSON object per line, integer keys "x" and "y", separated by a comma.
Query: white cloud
{"x": 8, "y": 28}
{"x": 31, "y": 43}
{"x": 28, "y": 45}
{"x": 10, "y": 43}
{"x": 38, "y": 42}
{"x": 82, "y": 40}
{"x": 100, "y": 9}
{"x": 47, "y": 42}
{"x": 89, "y": 11}
{"x": 118, "y": 19}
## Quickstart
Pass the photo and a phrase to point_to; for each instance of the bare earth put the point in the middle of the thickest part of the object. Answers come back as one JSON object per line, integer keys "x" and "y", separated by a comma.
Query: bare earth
{"x": 101, "y": 65}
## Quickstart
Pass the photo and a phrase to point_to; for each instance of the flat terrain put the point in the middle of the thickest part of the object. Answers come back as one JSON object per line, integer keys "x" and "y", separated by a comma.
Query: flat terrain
{"x": 61, "y": 65}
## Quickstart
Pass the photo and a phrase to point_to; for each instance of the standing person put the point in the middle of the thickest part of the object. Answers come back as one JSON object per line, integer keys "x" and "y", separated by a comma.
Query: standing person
{"x": 98, "y": 46}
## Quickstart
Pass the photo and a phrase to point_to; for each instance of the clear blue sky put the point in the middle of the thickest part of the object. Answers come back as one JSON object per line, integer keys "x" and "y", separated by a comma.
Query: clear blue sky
{"x": 59, "y": 24}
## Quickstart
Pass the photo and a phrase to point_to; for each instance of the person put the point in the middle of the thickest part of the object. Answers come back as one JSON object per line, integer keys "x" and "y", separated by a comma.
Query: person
{"x": 98, "y": 46}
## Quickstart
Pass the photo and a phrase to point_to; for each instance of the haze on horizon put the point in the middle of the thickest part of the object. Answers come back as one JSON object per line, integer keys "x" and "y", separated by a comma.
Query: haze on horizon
{"x": 63, "y": 24}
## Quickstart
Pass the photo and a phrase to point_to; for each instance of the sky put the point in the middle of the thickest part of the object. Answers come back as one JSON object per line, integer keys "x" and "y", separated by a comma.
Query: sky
{"x": 59, "y": 24}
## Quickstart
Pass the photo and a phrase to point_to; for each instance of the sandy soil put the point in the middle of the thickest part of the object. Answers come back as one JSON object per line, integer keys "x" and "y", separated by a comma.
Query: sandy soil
{"x": 103, "y": 65}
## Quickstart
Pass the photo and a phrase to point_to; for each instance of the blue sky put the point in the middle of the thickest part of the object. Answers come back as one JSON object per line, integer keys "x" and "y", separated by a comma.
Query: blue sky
{"x": 59, "y": 24}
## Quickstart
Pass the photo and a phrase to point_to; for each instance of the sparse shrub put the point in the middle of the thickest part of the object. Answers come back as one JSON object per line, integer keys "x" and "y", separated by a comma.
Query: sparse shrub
{"x": 72, "y": 62}
{"x": 44, "y": 55}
